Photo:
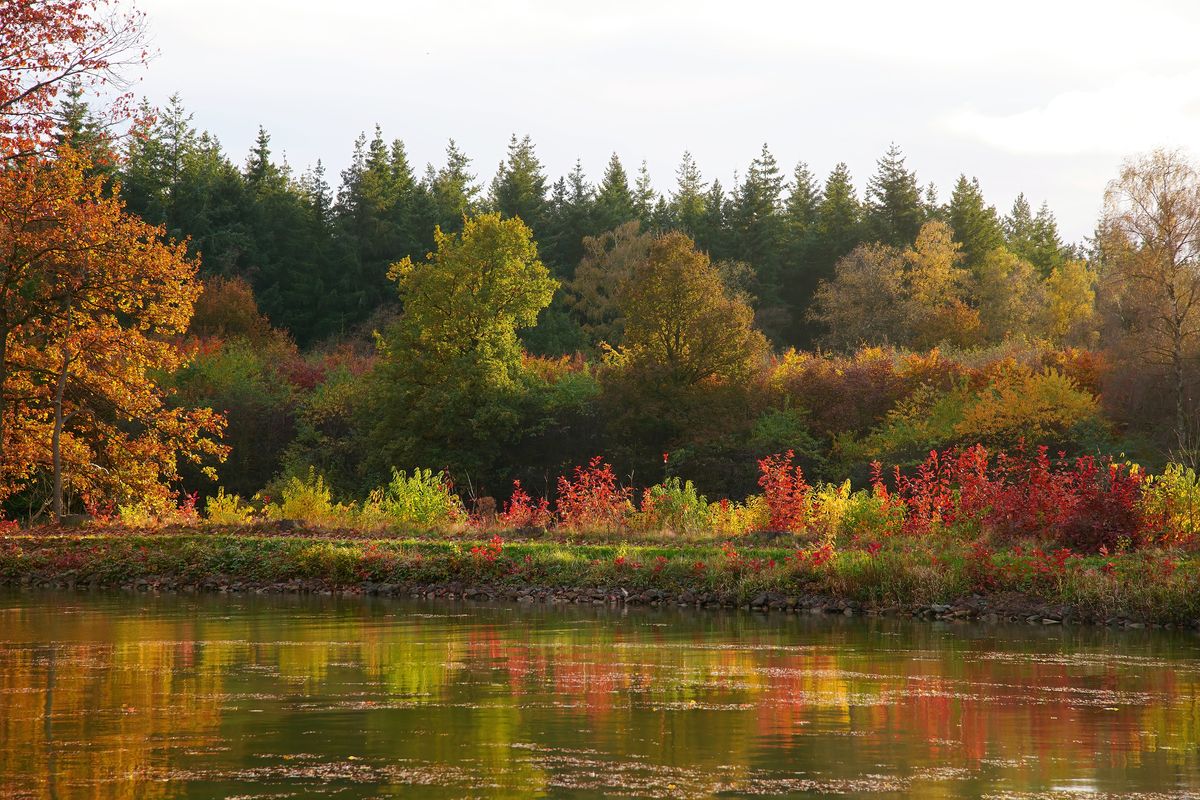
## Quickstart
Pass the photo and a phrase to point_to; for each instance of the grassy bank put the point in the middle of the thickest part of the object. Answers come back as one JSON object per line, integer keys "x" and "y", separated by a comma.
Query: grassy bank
{"x": 900, "y": 575}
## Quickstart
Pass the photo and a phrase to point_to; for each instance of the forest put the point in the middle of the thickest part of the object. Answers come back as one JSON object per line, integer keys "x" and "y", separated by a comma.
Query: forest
{"x": 183, "y": 328}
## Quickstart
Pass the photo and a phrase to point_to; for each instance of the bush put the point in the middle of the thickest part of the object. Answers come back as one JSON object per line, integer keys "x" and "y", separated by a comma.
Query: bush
{"x": 227, "y": 509}
{"x": 674, "y": 505}
{"x": 1171, "y": 505}
{"x": 423, "y": 500}
{"x": 309, "y": 500}
{"x": 592, "y": 499}
{"x": 521, "y": 511}
{"x": 786, "y": 493}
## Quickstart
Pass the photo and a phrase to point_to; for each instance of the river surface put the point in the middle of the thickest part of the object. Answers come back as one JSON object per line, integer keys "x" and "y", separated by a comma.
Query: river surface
{"x": 136, "y": 696}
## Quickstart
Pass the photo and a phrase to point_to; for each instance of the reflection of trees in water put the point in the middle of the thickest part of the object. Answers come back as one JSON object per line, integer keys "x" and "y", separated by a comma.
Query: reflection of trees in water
{"x": 129, "y": 692}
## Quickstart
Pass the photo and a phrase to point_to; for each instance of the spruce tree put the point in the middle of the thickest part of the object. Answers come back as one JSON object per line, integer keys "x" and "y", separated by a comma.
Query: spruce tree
{"x": 614, "y": 200}
{"x": 894, "y": 208}
{"x": 756, "y": 219}
{"x": 687, "y": 204}
{"x": 1046, "y": 251}
{"x": 571, "y": 217}
{"x": 975, "y": 223}
{"x": 519, "y": 188}
{"x": 644, "y": 198}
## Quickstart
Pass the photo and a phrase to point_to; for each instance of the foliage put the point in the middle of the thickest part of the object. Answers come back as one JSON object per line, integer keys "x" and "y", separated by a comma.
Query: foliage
{"x": 424, "y": 500}
{"x": 93, "y": 300}
{"x": 674, "y": 505}
{"x": 227, "y": 509}
{"x": 592, "y": 499}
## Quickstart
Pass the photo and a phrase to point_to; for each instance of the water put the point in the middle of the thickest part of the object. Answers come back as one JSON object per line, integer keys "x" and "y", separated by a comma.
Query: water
{"x": 262, "y": 697}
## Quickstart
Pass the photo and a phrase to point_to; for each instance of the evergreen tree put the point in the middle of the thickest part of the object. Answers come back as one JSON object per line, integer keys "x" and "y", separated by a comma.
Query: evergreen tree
{"x": 975, "y": 223}
{"x": 452, "y": 190}
{"x": 837, "y": 229}
{"x": 800, "y": 231}
{"x": 756, "y": 219}
{"x": 572, "y": 215}
{"x": 687, "y": 204}
{"x": 644, "y": 198}
{"x": 318, "y": 193}
{"x": 894, "y": 208}
{"x": 1046, "y": 251}
{"x": 1018, "y": 228}
{"x": 519, "y": 188}
{"x": 614, "y": 200}
{"x": 839, "y": 220}
{"x": 261, "y": 173}
{"x": 713, "y": 233}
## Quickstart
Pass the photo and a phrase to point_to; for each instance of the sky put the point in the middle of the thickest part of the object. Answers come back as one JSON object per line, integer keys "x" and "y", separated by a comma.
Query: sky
{"x": 1045, "y": 98}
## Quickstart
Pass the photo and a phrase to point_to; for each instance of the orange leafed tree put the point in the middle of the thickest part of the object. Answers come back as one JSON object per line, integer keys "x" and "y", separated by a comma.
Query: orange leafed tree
{"x": 47, "y": 45}
{"x": 92, "y": 304}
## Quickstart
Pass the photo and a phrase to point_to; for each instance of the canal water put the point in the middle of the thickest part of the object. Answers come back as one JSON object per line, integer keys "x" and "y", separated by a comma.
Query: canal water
{"x": 218, "y": 696}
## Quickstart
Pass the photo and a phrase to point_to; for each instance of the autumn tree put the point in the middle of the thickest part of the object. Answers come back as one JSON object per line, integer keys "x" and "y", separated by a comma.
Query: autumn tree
{"x": 914, "y": 297}
{"x": 50, "y": 45}
{"x": 1150, "y": 248}
{"x": 91, "y": 302}
{"x": 609, "y": 261}
{"x": 680, "y": 320}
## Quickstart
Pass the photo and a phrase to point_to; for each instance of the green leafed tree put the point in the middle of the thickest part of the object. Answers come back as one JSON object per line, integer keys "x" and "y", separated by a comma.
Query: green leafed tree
{"x": 449, "y": 384}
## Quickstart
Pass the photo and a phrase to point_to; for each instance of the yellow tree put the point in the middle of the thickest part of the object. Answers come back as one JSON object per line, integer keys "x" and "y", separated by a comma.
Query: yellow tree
{"x": 1150, "y": 247}
{"x": 680, "y": 320}
{"x": 92, "y": 302}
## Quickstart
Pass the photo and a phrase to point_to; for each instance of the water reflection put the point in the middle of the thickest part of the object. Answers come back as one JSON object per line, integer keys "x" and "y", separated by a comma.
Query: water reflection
{"x": 149, "y": 697}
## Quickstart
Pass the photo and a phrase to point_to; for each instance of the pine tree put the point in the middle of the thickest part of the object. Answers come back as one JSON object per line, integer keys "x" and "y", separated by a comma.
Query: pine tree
{"x": 756, "y": 222}
{"x": 713, "y": 234}
{"x": 1018, "y": 228}
{"x": 571, "y": 217}
{"x": 975, "y": 223}
{"x": 452, "y": 190}
{"x": 519, "y": 188}
{"x": 839, "y": 219}
{"x": 1046, "y": 251}
{"x": 614, "y": 200}
{"x": 800, "y": 231}
{"x": 644, "y": 198}
{"x": 687, "y": 204}
{"x": 894, "y": 208}
{"x": 317, "y": 190}
{"x": 261, "y": 172}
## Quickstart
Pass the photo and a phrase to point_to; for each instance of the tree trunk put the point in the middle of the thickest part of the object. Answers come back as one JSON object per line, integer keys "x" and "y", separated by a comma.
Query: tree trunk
{"x": 56, "y": 439}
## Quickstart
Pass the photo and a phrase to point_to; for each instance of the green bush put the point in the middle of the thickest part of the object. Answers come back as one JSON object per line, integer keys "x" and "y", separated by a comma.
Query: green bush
{"x": 422, "y": 500}
{"x": 674, "y": 505}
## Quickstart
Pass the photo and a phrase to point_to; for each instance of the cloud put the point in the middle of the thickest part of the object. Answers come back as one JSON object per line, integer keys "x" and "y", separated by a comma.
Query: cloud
{"x": 1131, "y": 115}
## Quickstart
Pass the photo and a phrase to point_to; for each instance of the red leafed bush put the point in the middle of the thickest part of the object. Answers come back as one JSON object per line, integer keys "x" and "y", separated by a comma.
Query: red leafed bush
{"x": 1082, "y": 504}
{"x": 786, "y": 491}
{"x": 592, "y": 499}
{"x": 521, "y": 511}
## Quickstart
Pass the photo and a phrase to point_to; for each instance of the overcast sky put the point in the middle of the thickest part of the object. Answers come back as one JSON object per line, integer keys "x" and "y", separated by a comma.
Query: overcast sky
{"x": 1042, "y": 97}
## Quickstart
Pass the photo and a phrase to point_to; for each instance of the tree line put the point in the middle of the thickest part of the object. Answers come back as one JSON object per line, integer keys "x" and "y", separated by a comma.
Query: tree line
{"x": 317, "y": 257}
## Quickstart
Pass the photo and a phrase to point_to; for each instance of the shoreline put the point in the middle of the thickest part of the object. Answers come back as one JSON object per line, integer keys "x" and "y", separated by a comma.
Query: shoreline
{"x": 685, "y": 574}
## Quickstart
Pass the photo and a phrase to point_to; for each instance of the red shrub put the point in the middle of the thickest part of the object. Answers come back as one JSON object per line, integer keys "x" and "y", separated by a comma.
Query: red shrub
{"x": 786, "y": 492}
{"x": 522, "y": 512}
{"x": 592, "y": 498}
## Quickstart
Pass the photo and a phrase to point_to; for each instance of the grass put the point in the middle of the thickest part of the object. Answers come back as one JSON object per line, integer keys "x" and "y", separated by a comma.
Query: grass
{"x": 1149, "y": 585}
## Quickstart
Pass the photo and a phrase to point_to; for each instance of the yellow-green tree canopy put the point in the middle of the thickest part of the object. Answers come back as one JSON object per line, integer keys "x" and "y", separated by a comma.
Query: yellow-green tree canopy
{"x": 467, "y": 300}
{"x": 680, "y": 320}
